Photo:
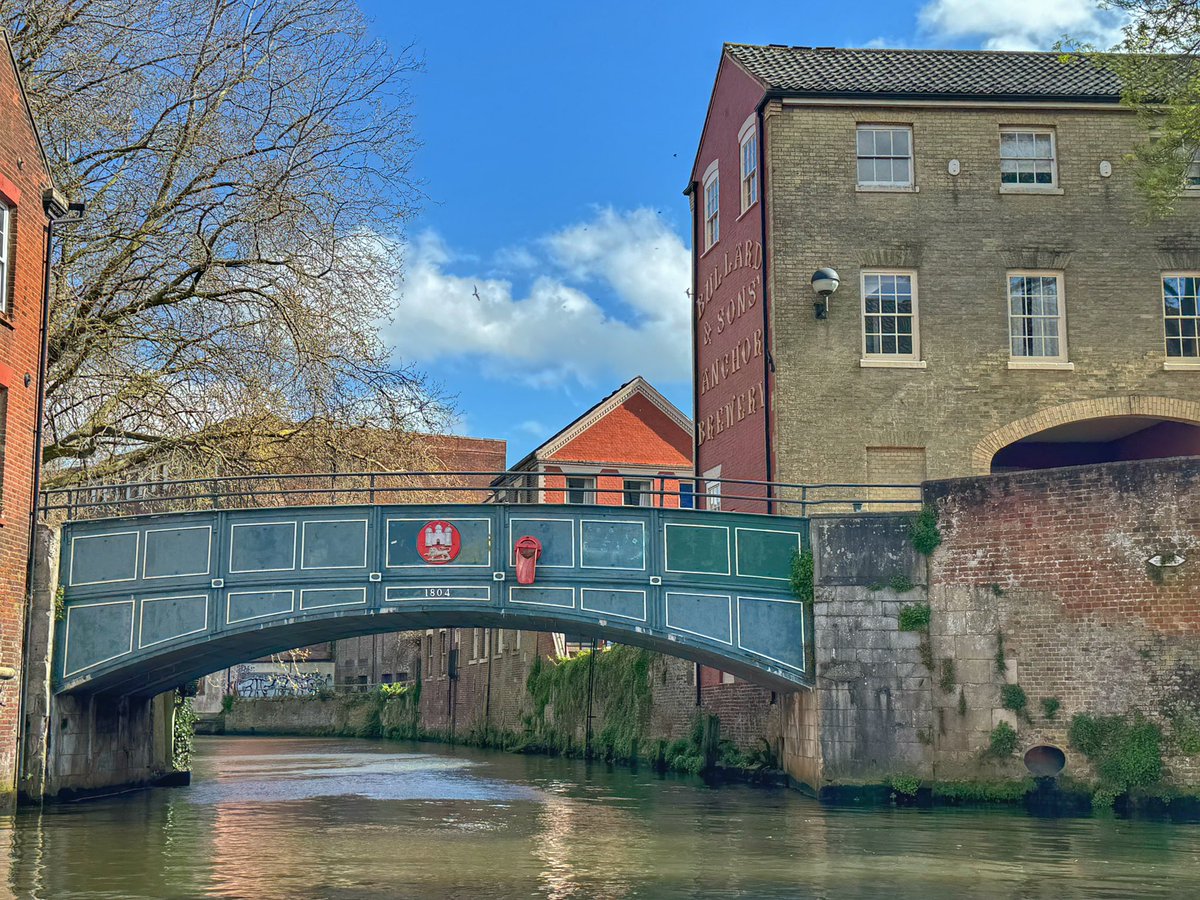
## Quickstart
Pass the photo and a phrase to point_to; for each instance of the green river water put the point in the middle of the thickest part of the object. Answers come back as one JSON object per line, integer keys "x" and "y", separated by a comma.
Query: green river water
{"x": 297, "y": 818}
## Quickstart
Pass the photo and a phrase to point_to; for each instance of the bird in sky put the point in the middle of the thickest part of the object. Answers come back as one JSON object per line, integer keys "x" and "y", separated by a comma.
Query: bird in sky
{"x": 475, "y": 293}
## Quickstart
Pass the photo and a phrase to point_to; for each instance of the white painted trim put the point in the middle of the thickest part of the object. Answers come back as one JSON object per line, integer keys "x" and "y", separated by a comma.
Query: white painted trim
{"x": 869, "y": 360}
{"x": 645, "y": 546}
{"x": 304, "y": 534}
{"x": 229, "y": 606}
{"x": 511, "y": 561}
{"x": 437, "y": 587}
{"x": 67, "y": 634}
{"x": 583, "y": 592}
{"x": 1177, "y": 364}
{"x": 638, "y": 385}
{"x": 449, "y": 565}
{"x": 728, "y": 598}
{"x": 1030, "y": 362}
{"x": 142, "y": 645}
{"x": 876, "y": 363}
{"x": 137, "y": 543}
{"x": 751, "y": 122}
{"x": 803, "y": 630}
{"x": 327, "y": 590}
{"x": 738, "y": 556}
{"x": 146, "y": 554}
{"x": 666, "y": 549}
{"x": 1053, "y": 187}
{"x": 514, "y": 588}
{"x": 234, "y": 525}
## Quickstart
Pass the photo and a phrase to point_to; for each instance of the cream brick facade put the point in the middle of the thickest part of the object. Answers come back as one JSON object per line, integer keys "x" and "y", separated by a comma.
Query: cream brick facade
{"x": 838, "y": 421}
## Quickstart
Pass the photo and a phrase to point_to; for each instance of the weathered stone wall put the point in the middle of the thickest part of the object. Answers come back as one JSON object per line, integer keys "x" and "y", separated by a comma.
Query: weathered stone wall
{"x": 1055, "y": 565}
{"x": 1042, "y": 580}
{"x": 309, "y": 716}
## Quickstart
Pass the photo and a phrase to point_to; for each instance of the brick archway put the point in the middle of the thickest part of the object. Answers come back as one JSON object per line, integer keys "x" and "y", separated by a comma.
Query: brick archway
{"x": 1166, "y": 408}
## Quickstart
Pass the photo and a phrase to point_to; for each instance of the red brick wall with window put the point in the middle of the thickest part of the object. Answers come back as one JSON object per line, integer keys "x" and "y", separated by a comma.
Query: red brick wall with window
{"x": 22, "y": 181}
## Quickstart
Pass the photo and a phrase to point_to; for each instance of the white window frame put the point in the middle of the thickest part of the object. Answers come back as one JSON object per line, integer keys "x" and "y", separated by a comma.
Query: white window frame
{"x": 748, "y": 140}
{"x": 712, "y": 489}
{"x": 589, "y": 489}
{"x": 1192, "y": 172}
{"x": 1035, "y": 130}
{"x": 1178, "y": 362}
{"x": 890, "y": 360}
{"x": 711, "y": 206}
{"x": 909, "y": 185}
{"x": 643, "y": 491}
{"x": 5, "y": 267}
{"x": 1060, "y": 361}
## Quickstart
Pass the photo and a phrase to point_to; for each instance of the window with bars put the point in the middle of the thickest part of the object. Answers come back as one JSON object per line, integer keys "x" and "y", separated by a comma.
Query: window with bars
{"x": 712, "y": 209}
{"x": 581, "y": 489}
{"x": 890, "y": 315}
{"x": 749, "y": 169}
{"x": 1036, "y": 316}
{"x": 1027, "y": 158}
{"x": 5, "y": 235}
{"x": 636, "y": 492}
{"x": 1181, "y": 316}
{"x": 884, "y": 156}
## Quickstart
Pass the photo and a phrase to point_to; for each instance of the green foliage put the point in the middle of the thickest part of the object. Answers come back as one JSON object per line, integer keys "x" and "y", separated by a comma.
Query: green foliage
{"x": 925, "y": 649}
{"x": 1185, "y": 733}
{"x": 60, "y": 604}
{"x": 1159, "y": 39}
{"x": 915, "y": 617}
{"x": 183, "y": 736}
{"x": 1050, "y": 708}
{"x": 802, "y": 576}
{"x": 1126, "y": 752}
{"x": 1003, "y": 741}
{"x": 1013, "y": 697}
{"x": 621, "y": 697}
{"x": 925, "y": 735}
{"x": 996, "y": 589}
{"x": 962, "y": 702}
{"x": 983, "y": 791}
{"x": 398, "y": 689}
{"x": 1001, "y": 662}
{"x": 924, "y": 532}
{"x": 948, "y": 677}
{"x": 901, "y": 584}
{"x": 227, "y": 702}
{"x": 905, "y": 785}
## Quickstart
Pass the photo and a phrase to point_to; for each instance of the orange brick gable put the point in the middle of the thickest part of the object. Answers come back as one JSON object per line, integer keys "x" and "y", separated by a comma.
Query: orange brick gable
{"x": 636, "y": 433}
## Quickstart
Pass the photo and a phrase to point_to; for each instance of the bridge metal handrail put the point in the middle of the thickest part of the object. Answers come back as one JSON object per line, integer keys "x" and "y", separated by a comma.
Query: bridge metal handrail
{"x": 93, "y": 500}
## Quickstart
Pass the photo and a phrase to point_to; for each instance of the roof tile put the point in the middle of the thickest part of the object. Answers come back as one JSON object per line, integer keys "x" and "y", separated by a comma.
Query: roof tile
{"x": 906, "y": 73}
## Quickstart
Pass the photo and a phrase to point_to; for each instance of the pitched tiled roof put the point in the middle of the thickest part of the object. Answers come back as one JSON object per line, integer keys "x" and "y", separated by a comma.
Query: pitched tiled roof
{"x": 932, "y": 73}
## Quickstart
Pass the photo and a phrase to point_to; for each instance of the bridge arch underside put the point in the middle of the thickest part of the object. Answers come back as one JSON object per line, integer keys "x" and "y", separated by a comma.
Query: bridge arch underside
{"x": 152, "y": 675}
{"x": 151, "y": 602}
{"x": 1115, "y": 429}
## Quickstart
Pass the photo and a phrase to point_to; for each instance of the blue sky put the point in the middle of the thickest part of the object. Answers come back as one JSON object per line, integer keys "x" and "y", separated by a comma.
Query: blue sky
{"x": 556, "y": 140}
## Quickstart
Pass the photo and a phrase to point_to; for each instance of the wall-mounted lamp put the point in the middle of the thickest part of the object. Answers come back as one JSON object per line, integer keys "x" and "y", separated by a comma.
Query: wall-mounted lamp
{"x": 825, "y": 282}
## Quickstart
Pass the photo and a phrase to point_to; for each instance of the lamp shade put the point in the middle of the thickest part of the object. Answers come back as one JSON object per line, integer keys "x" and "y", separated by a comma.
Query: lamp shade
{"x": 825, "y": 281}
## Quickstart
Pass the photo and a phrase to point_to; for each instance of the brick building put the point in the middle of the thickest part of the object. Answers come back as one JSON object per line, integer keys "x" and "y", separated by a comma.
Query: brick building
{"x": 631, "y": 444}
{"x": 1003, "y": 303}
{"x": 26, "y": 195}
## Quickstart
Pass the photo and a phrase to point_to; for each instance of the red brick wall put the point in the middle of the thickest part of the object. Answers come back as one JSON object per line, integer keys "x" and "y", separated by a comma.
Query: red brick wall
{"x": 1082, "y": 534}
{"x": 22, "y": 180}
{"x": 731, "y": 375}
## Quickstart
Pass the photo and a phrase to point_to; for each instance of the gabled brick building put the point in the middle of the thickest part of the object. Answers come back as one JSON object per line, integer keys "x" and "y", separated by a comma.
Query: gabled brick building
{"x": 24, "y": 183}
{"x": 1002, "y": 302}
{"x": 629, "y": 445}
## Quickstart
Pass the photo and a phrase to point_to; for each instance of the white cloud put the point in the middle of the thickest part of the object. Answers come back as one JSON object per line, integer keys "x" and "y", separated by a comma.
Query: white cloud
{"x": 1021, "y": 24}
{"x": 608, "y": 302}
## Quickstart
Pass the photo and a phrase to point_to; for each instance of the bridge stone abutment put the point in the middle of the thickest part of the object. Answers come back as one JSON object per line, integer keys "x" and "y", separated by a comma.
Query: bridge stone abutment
{"x": 80, "y": 745}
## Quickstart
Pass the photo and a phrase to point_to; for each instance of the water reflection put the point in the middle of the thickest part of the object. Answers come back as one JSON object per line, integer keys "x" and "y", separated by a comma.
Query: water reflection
{"x": 298, "y": 818}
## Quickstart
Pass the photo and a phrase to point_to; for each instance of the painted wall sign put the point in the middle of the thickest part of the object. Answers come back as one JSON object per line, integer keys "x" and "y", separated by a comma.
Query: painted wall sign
{"x": 439, "y": 543}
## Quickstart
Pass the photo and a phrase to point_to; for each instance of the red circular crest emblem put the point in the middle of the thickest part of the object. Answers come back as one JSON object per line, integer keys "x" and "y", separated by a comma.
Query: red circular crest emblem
{"x": 438, "y": 543}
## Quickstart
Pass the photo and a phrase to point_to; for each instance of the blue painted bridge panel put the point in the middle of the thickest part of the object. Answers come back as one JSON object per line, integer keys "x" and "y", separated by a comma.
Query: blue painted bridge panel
{"x": 154, "y": 600}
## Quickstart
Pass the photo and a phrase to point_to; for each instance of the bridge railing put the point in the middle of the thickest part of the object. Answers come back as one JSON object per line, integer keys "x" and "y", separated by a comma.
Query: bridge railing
{"x": 608, "y": 488}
